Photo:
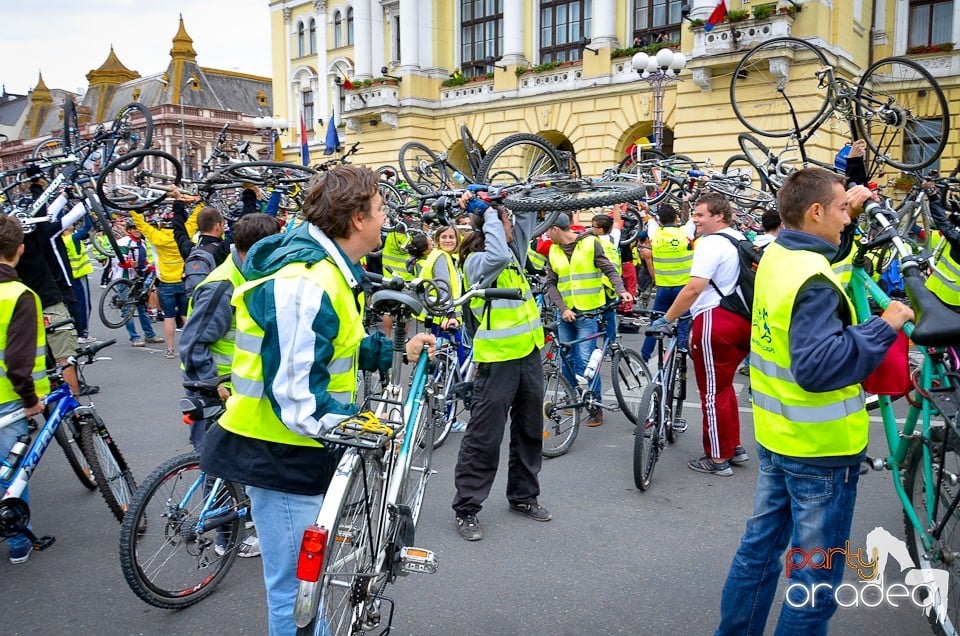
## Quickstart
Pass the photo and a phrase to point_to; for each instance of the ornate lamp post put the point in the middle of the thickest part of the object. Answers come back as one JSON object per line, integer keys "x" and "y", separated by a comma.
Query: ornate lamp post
{"x": 270, "y": 129}
{"x": 658, "y": 71}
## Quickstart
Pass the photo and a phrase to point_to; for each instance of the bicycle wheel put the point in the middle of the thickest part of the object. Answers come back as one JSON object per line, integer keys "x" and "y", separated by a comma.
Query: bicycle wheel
{"x": 679, "y": 394}
{"x": 630, "y": 376}
{"x": 102, "y": 220}
{"x": 530, "y": 157}
{"x": 932, "y": 496}
{"x": 421, "y": 168}
{"x": 110, "y": 469}
{"x": 388, "y": 173}
{"x": 759, "y": 156}
{"x": 348, "y": 576}
{"x": 549, "y": 198}
{"x": 49, "y": 147}
{"x": 740, "y": 192}
{"x": 68, "y": 439}
{"x": 443, "y": 403}
{"x": 268, "y": 172}
{"x": 902, "y": 114}
{"x": 390, "y": 194}
{"x": 421, "y": 451}
{"x": 648, "y": 173}
{"x": 125, "y": 189}
{"x": 646, "y": 442}
{"x": 168, "y": 560}
{"x": 70, "y": 135}
{"x": 561, "y": 415}
{"x": 126, "y": 136}
{"x": 117, "y": 303}
{"x": 474, "y": 151}
{"x": 776, "y": 81}
{"x": 740, "y": 167}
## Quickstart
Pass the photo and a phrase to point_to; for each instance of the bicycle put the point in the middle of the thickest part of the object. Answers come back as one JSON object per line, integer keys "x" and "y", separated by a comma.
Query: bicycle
{"x": 122, "y": 297}
{"x": 896, "y": 105}
{"x": 182, "y": 533}
{"x": 661, "y": 406}
{"x": 562, "y": 401}
{"x": 365, "y": 531}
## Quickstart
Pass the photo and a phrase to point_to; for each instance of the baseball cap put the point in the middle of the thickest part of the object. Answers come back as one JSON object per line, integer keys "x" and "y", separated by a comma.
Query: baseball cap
{"x": 562, "y": 221}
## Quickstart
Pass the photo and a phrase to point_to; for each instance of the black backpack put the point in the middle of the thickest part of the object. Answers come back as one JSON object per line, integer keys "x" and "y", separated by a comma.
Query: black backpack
{"x": 740, "y": 300}
{"x": 198, "y": 264}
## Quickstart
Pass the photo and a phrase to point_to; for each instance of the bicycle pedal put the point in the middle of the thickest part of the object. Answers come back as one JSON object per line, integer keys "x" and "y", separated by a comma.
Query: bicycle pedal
{"x": 418, "y": 560}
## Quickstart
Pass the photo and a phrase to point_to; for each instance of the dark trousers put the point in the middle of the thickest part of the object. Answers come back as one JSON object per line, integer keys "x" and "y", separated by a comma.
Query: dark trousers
{"x": 513, "y": 388}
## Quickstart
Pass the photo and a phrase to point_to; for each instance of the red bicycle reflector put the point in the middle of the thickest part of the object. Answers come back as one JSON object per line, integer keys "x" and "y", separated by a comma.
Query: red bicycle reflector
{"x": 187, "y": 420}
{"x": 310, "y": 561}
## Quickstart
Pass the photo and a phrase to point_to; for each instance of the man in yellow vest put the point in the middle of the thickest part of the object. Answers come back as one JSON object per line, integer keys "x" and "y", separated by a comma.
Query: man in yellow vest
{"x": 944, "y": 280}
{"x": 23, "y": 342}
{"x": 299, "y": 344}
{"x": 576, "y": 266}
{"x": 808, "y": 359}
{"x": 672, "y": 253}
{"x": 81, "y": 267}
{"x": 509, "y": 379}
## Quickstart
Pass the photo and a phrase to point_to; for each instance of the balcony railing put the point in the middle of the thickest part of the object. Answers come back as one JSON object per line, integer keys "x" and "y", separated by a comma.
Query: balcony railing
{"x": 730, "y": 37}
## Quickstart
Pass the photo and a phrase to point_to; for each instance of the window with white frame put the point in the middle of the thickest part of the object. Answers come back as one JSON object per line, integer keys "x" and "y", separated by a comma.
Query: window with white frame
{"x": 563, "y": 26}
{"x": 307, "y": 108}
{"x": 921, "y": 140}
{"x": 481, "y": 35}
{"x": 337, "y": 29}
{"x": 350, "y": 26}
{"x": 301, "y": 50}
{"x": 931, "y": 22}
{"x": 313, "y": 35}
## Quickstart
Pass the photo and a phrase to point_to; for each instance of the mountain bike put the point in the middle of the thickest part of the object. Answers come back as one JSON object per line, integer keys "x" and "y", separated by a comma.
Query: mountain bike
{"x": 122, "y": 297}
{"x": 452, "y": 385}
{"x": 562, "y": 401}
{"x": 184, "y": 528}
{"x": 661, "y": 407}
{"x": 365, "y": 531}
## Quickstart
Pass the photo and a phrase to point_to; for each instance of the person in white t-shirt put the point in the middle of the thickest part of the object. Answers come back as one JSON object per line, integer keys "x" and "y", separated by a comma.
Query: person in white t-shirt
{"x": 720, "y": 339}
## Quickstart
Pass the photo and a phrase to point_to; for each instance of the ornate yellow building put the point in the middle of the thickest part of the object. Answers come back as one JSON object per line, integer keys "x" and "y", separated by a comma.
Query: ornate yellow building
{"x": 392, "y": 71}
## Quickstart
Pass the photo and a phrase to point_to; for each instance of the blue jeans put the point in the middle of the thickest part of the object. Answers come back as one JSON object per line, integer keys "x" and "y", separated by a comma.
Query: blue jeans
{"x": 661, "y": 302}
{"x": 8, "y": 437}
{"x": 145, "y": 325}
{"x": 610, "y": 318}
{"x": 81, "y": 292}
{"x": 580, "y": 353}
{"x": 173, "y": 299}
{"x": 809, "y": 507}
{"x": 281, "y": 519}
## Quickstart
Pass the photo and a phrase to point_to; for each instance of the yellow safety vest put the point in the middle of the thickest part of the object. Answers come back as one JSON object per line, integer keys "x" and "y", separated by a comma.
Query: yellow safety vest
{"x": 222, "y": 349}
{"x": 10, "y": 292}
{"x": 394, "y": 256}
{"x": 249, "y": 411}
{"x": 844, "y": 269}
{"x": 508, "y": 329}
{"x": 612, "y": 252}
{"x": 537, "y": 260}
{"x": 79, "y": 260}
{"x": 944, "y": 280}
{"x": 790, "y": 420}
{"x": 456, "y": 285}
{"x": 672, "y": 256}
{"x": 579, "y": 281}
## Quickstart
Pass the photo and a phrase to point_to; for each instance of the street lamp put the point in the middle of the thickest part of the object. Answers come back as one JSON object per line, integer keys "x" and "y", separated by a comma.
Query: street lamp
{"x": 270, "y": 129}
{"x": 659, "y": 70}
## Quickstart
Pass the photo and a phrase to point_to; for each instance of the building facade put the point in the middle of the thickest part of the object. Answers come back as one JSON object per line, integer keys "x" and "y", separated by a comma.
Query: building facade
{"x": 391, "y": 71}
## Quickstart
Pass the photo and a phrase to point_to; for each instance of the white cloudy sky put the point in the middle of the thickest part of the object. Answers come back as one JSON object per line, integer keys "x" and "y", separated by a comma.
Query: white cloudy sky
{"x": 65, "y": 39}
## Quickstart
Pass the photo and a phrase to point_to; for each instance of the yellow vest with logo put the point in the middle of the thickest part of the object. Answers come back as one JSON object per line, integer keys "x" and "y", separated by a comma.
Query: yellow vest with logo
{"x": 944, "y": 280}
{"x": 508, "y": 329}
{"x": 10, "y": 292}
{"x": 222, "y": 349}
{"x": 249, "y": 411}
{"x": 579, "y": 281}
{"x": 790, "y": 420}
{"x": 79, "y": 261}
{"x": 672, "y": 256}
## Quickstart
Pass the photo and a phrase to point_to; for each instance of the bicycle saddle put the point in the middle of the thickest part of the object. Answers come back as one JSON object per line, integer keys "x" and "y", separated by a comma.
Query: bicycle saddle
{"x": 936, "y": 325}
{"x": 387, "y": 300}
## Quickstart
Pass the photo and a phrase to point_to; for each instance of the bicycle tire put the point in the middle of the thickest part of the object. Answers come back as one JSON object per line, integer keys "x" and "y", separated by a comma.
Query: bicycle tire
{"x": 121, "y": 189}
{"x": 917, "y": 462}
{"x": 126, "y": 139}
{"x": 740, "y": 166}
{"x": 264, "y": 172}
{"x": 530, "y": 156}
{"x": 646, "y": 447}
{"x": 759, "y": 95}
{"x": 102, "y": 220}
{"x": 630, "y": 375}
{"x": 474, "y": 151}
{"x": 114, "y": 479}
{"x": 47, "y": 148}
{"x": 96, "y": 245}
{"x": 414, "y": 484}
{"x": 561, "y": 415}
{"x": 549, "y": 198}
{"x": 441, "y": 405}
{"x": 421, "y": 168}
{"x": 678, "y": 393}
{"x": 116, "y": 308}
{"x": 758, "y": 154}
{"x": 388, "y": 173}
{"x": 70, "y": 134}
{"x": 390, "y": 195}
{"x": 741, "y": 192}
{"x": 70, "y": 443}
{"x": 912, "y": 117}
{"x": 164, "y": 561}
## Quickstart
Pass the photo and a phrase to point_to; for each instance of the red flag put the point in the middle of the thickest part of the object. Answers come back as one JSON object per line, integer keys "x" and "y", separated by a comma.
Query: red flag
{"x": 304, "y": 142}
{"x": 347, "y": 84}
{"x": 719, "y": 15}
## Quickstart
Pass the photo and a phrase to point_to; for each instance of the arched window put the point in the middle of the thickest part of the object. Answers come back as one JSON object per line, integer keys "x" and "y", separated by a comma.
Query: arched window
{"x": 337, "y": 29}
{"x": 300, "y": 49}
{"x": 350, "y": 26}
{"x": 313, "y": 35}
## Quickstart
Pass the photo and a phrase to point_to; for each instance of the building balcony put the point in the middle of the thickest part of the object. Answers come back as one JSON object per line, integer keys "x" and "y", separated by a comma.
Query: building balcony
{"x": 377, "y": 102}
{"x": 736, "y": 37}
{"x": 473, "y": 92}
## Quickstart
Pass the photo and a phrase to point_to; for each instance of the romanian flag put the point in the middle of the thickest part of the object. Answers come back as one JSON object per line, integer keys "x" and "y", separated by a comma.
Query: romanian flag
{"x": 304, "y": 142}
{"x": 719, "y": 15}
{"x": 347, "y": 84}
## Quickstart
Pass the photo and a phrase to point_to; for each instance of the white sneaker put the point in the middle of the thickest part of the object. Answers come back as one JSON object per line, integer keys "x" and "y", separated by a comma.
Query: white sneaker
{"x": 249, "y": 548}
{"x": 86, "y": 340}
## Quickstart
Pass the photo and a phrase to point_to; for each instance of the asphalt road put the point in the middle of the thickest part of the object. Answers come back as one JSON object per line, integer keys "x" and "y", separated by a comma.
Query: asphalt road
{"x": 612, "y": 561}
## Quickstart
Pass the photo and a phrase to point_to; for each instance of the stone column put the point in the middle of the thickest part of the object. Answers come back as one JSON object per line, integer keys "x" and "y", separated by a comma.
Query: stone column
{"x": 288, "y": 83}
{"x": 361, "y": 40}
{"x": 513, "y": 13}
{"x": 409, "y": 45}
{"x": 604, "y": 24}
{"x": 322, "y": 100}
{"x": 378, "y": 58}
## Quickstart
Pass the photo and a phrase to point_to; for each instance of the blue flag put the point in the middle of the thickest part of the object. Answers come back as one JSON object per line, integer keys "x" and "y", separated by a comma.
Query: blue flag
{"x": 304, "y": 142}
{"x": 332, "y": 142}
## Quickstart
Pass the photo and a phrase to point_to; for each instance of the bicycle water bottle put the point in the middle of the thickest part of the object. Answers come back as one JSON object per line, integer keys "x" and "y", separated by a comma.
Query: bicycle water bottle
{"x": 458, "y": 177}
{"x": 593, "y": 364}
{"x": 12, "y": 461}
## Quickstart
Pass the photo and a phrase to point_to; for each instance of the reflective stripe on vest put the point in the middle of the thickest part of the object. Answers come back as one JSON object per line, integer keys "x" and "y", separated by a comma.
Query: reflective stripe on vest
{"x": 537, "y": 260}
{"x": 79, "y": 260}
{"x": 394, "y": 256}
{"x": 250, "y": 412}
{"x": 578, "y": 279}
{"x": 10, "y": 293}
{"x": 789, "y": 419}
{"x": 844, "y": 269}
{"x": 672, "y": 256}
{"x": 507, "y": 329}
{"x": 222, "y": 350}
{"x": 944, "y": 280}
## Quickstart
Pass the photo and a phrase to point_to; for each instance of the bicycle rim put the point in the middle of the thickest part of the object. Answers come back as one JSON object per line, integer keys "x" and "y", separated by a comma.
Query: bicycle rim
{"x": 116, "y": 305}
{"x": 740, "y": 167}
{"x": 529, "y": 157}
{"x": 166, "y": 561}
{"x": 550, "y": 198}
{"x": 902, "y": 114}
{"x": 418, "y": 472}
{"x": 646, "y": 447}
{"x": 442, "y": 403}
{"x": 773, "y": 77}
{"x": 561, "y": 416}
{"x": 269, "y": 172}
{"x": 421, "y": 168}
{"x": 630, "y": 376}
{"x": 127, "y": 134}
{"x": 69, "y": 441}
{"x": 114, "y": 478}
{"x": 122, "y": 188}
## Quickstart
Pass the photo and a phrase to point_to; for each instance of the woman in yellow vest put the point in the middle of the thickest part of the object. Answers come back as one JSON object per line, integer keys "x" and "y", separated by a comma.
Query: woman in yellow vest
{"x": 441, "y": 265}
{"x": 807, "y": 362}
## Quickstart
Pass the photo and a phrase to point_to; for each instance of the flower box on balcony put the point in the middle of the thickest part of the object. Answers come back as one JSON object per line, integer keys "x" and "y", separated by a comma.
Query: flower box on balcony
{"x": 740, "y": 35}
{"x": 943, "y": 47}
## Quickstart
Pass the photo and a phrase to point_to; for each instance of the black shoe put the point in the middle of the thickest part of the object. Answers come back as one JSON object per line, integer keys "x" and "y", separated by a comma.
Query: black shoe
{"x": 535, "y": 511}
{"x": 89, "y": 389}
{"x": 469, "y": 527}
